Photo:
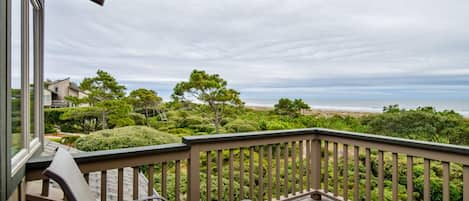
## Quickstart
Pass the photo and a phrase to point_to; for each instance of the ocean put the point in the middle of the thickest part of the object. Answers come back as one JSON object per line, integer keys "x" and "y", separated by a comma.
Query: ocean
{"x": 371, "y": 105}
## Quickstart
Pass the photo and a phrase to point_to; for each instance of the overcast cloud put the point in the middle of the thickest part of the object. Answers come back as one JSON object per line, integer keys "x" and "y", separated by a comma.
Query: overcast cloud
{"x": 324, "y": 49}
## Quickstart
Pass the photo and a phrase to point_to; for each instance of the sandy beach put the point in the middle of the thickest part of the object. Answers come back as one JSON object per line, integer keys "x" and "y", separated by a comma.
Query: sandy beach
{"x": 319, "y": 112}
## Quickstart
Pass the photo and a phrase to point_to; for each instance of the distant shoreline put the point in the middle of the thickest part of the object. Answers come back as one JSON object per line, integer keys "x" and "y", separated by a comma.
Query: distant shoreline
{"x": 331, "y": 111}
{"x": 321, "y": 112}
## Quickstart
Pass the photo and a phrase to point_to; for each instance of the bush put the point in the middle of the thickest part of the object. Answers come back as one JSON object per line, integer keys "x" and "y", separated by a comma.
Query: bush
{"x": 69, "y": 139}
{"x": 181, "y": 131}
{"x": 138, "y": 118}
{"x": 131, "y": 136}
{"x": 240, "y": 125}
{"x": 208, "y": 128}
{"x": 276, "y": 125}
{"x": 423, "y": 123}
{"x": 121, "y": 122}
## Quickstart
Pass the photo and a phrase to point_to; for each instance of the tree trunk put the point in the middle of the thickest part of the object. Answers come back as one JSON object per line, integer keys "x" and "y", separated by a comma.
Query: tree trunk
{"x": 217, "y": 123}
{"x": 104, "y": 122}
{"x": 146, "y": 117}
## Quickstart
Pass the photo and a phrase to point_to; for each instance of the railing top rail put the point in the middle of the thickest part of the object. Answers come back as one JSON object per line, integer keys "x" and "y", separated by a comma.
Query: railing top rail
{"x": 84, "y": 157}
{"x": 245, "y": 136}
{"x": 449, "y": 148}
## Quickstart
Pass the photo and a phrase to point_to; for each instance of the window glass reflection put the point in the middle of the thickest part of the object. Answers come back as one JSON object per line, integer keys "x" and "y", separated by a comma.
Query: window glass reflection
{"x": 17, "y": 139}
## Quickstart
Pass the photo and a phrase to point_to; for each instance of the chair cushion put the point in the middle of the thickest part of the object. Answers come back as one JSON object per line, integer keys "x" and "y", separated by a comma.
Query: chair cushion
{"x": 66, "y": 173}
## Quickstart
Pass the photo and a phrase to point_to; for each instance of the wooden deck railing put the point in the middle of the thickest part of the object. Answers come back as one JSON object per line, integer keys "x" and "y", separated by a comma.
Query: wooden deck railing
{"x": 276, "y": 165}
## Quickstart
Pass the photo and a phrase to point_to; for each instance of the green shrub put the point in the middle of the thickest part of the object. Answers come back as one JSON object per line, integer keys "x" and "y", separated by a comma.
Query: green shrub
{"x": 131, "y": 136}
{"x": 138, "y": 118}
{"x": 121, "y": 122}
{"x": 181, "y": 131}
{"x": 49, "y": 128}
{"x": 239, "y": 125}
{"x": 208, "y": 128}
{"x": 277, "y": 125}
{"x": 69, "y": 139}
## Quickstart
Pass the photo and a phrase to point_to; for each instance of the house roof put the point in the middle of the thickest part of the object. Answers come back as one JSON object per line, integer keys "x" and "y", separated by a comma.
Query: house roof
{"x": 74, "y": 86}
{"x": 57, "y": 81}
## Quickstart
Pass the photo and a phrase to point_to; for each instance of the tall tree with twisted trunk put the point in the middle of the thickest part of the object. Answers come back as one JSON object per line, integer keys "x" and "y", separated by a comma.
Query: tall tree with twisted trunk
{"x": 211, "y": 90}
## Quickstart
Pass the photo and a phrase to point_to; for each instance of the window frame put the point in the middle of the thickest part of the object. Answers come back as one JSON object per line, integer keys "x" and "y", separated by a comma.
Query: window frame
{"x": 4, "y": 46}
{"x": 12, "y": 168}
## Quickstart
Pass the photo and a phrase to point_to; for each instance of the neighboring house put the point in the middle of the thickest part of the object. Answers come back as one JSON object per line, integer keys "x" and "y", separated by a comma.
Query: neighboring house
{"x": 60, "y": 89}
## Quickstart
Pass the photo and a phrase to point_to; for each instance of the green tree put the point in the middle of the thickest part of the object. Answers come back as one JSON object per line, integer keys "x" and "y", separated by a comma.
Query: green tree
{"x": 102, "y": 91}
{"x": 117, "y": 111}
{"x": 285, "y": 106}
{"x": 211, "y": 90}
{"x": 102, "y": 87}
{"x": 145, "y": 99}
{"x": 391, "y": 108}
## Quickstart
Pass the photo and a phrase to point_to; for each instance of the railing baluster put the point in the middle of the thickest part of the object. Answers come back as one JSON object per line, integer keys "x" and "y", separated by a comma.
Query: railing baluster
{"x": 261, "y": 173}
{"x": 87, "y": 177}
{"x": 219, "y": 174}
{"x": 326, "y": 166}
{"x": 151, "y": 171}
{"x": 300, "y": 182}
{"x": 293, "y": 168}
{"x": 410, "y": 178}
{"x": 241, "y": 173}
{"x": 103, "y": 185}
{"x": 446, "y": 179}
{"x": 178, "y": 180}
{"x": 188, "y": 170}
{"x": 120, "y": 184}
{"x": 164, "y": 179}
{"x": 269, "y": 172}
{"x": 277, "y": 171}
{"x": 335, "y": 167}
{"x": 285, "y": 169}
{"x": 426, "y": 180}
{"x": 356, "y": 170}
{"x": 135, "y": 178}
{"x": 465, "y": 182}
{"x": 209, "y": 176}
{"x": 345, "y": 172}
{"x": 251, "y": 172}
{"x": 368, "y": 174}
{"x": 308, "y": 165}
{"x": 395, "y": 176}
{"x": 380, "y": 175}
{"x": 45, "y": 188}
{"x": 231, "y": 173}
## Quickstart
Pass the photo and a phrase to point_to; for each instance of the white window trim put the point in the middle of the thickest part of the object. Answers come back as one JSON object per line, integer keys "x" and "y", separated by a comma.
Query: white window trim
{"x": 30, "y": 146}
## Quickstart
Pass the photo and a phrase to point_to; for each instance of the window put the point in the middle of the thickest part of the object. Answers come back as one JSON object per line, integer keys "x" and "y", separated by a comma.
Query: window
{"x": 24, "y": 82}
{"x": 17, "y": 139}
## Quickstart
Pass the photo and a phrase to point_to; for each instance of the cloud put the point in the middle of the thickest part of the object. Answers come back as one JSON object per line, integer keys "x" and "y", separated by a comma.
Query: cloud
{"x": 266, "y": 45}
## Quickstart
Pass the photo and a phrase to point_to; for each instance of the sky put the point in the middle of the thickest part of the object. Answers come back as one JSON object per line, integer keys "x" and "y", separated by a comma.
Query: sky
{"x": 324, "y": 51}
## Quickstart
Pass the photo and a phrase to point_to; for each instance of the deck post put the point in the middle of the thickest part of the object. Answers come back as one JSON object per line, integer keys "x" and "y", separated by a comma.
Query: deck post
{"x": 194, "y": 173}
{"x": 316, "y": 168}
